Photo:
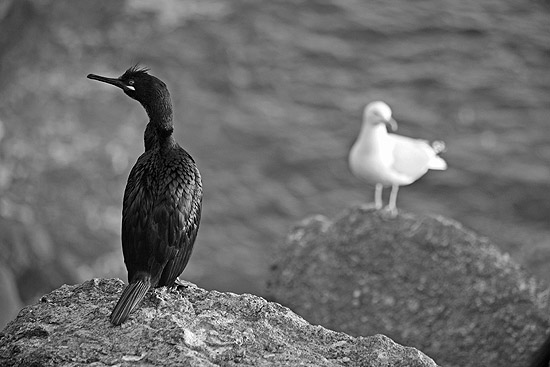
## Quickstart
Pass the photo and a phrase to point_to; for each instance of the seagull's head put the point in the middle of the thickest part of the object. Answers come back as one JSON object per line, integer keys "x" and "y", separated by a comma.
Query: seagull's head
{"x": 379, "y": 112}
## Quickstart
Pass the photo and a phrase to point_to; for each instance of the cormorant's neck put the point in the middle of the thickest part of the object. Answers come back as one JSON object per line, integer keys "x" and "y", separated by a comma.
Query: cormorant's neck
{"x": 160, "y": 127}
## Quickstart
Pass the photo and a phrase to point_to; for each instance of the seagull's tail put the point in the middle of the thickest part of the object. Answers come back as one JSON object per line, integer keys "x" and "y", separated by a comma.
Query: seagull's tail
{"x": 438, "y": 146}
{"x": 437, "y": 162}
{"x": 130, "y": 298}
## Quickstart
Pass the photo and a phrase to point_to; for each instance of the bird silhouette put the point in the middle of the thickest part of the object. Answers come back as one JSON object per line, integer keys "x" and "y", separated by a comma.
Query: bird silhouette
{"x": 162, "y": 200}
{"x": 384, "y": 159}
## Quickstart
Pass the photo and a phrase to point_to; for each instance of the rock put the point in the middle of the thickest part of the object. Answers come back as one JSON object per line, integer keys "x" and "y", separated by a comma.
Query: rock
{"x": 187, "y": 326}
{"x": 425, "y": 282}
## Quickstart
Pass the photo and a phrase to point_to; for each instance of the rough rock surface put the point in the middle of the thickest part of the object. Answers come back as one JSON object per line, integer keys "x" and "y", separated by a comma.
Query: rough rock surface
{"x": 425, "y": 282}
{"x": 188, "y": 326}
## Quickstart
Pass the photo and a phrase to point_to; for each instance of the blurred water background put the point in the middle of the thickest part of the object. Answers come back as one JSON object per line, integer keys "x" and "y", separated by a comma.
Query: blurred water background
{"x": 268, "y": 99}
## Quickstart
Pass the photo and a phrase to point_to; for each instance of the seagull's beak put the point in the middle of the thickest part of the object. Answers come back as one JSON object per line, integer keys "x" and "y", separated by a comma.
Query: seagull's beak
{"x": 113, "y": 81}
{"x": 391, "y": 123}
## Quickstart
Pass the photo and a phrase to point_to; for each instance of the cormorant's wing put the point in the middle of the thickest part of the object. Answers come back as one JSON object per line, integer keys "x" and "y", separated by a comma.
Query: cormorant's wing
{"x": 160, "y": 217}
{"x": 136, "y": 208}
{"x": 179, "y": 221}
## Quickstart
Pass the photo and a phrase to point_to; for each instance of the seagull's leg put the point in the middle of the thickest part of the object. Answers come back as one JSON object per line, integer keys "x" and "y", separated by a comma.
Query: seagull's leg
{"x": 392, "y": 206}
{"x": 378, "y": 196}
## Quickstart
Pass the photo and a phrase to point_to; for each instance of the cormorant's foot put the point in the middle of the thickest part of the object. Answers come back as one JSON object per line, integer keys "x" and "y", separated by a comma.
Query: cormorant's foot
{"x": 179, "y": 282}
{"x": 172, "y": 288}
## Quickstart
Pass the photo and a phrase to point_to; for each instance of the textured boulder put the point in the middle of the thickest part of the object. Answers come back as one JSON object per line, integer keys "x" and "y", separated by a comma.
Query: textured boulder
{"x": 187, "y": 326}
{"x": 425, "y": 282}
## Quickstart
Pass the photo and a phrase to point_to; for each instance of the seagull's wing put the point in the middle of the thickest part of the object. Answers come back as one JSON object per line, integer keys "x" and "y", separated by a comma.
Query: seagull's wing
{"x": 413, "y": 157}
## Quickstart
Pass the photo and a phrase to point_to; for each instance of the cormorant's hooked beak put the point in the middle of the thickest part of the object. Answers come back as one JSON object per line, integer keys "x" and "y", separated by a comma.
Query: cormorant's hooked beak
{"x": 391, "y": 123}
{"x": 113, "y": 81}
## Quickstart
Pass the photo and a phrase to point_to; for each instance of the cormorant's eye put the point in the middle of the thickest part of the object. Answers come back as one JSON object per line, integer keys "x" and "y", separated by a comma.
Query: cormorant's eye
{"x": 130, "y": 84}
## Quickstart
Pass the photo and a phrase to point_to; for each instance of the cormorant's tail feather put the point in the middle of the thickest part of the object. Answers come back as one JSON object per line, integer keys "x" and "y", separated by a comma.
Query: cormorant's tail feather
{"x": 130, "y": 298}
{"x": 542, "y": 356}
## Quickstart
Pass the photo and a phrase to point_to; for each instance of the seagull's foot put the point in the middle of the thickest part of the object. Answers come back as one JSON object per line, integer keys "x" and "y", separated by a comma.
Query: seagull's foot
{"x": 391, "y": 210}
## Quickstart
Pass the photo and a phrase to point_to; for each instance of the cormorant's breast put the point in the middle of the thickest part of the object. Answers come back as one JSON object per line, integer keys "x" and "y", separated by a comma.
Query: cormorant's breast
{"x": 161, "y": 214}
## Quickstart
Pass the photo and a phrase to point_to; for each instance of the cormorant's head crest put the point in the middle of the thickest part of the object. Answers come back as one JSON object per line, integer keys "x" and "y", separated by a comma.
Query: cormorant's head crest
{"x": 136, "y": 71}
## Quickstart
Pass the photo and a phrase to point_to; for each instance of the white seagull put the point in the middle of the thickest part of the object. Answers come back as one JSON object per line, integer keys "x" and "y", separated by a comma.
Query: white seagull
{"x": 384, "y": 159}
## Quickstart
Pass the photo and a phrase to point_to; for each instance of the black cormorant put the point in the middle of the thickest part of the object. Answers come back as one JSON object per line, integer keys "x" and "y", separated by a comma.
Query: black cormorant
{"x": 162, "y": 200}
